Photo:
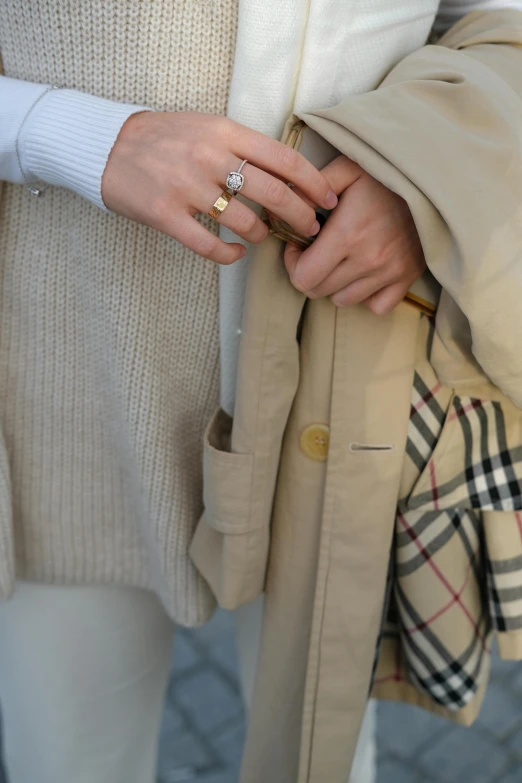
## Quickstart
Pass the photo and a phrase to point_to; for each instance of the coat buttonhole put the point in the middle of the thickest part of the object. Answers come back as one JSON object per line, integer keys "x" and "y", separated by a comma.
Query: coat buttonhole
{"x": 357, "y": 448}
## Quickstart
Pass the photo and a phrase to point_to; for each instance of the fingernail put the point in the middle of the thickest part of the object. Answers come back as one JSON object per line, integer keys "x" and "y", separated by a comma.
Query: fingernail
{"x": 315, "y": 228}
{"x": 331, "y": 199}
{"x": 243, "y": 252}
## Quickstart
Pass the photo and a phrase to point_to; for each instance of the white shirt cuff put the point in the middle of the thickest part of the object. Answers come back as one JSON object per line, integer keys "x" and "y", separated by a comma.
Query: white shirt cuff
{"x": 67, "y": 138}
{"x": 16, "y": 100}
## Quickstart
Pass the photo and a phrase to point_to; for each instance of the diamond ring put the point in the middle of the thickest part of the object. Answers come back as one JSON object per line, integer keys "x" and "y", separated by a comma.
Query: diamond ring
{"x": 236, "y": 180}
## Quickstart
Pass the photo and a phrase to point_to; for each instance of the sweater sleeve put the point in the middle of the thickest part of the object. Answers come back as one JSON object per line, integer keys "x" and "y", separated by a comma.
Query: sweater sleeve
{"x": 64, "y": 136}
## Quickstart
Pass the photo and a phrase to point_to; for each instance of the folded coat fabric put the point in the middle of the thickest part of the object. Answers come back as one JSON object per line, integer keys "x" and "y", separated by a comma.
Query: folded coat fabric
{"x": 458, "y": 104}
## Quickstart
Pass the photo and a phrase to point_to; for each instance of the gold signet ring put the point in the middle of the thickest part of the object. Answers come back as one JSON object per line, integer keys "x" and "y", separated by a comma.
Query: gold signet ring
{"x": 220, "y": 205}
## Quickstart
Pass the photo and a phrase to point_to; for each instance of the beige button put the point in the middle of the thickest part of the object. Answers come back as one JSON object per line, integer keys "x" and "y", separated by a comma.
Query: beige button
{"x": 315, "y": 440}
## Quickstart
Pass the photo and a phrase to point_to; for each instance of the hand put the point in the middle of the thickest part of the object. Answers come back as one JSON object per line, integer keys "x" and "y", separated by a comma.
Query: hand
{"x": 369, "y": 250}
{"x": 165, "y": 167}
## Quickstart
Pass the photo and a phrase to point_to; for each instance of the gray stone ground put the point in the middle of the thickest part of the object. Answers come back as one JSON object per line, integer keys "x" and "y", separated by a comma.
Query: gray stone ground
{"x": 204, "y": 727}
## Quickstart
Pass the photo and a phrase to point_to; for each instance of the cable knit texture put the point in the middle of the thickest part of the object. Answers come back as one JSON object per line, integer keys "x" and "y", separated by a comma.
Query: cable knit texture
{"x": 108, "y": 330}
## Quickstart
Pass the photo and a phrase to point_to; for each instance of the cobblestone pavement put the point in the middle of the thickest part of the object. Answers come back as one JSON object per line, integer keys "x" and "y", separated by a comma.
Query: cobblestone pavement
{"x": 203, "y": 729}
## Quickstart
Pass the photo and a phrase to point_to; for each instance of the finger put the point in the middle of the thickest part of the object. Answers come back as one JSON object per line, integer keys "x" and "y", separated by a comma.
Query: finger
{"x": 243, "y": 221}
{"x": 275, "y": 195}
{"x": 356, "y": 292}
{"x": 194, "y": 236}
{"x": 345, "y": 273}
{"x": 341, "y": 173}
{"x": 385, "y": 300}
{"x": 272, "y": 156}
{"x": 330, "y": 248}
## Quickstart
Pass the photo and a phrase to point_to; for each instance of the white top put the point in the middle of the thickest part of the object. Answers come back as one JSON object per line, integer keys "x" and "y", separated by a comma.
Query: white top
{"x": 67, "y": 136}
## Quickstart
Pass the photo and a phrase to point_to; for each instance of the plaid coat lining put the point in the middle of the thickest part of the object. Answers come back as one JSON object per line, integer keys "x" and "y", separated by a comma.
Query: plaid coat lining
{"x": 456, "y": 571}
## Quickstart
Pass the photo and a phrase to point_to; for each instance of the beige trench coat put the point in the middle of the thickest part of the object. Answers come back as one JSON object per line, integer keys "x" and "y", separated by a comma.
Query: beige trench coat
{"x": 301, "y": 488}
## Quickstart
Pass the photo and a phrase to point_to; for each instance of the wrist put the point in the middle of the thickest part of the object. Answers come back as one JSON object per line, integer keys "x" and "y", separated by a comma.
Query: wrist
{"x": 67, "y": 138}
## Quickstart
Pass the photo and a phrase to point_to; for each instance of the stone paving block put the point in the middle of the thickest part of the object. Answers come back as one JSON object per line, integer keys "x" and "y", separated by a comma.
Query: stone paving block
{"x": 173, "y": 722}
{"x": 229, "y": 746}
{"x": 401, "y": 727}
{"x": 203, "y": 726}
{"x": 515, "y": 742}
{"x": 221, "y": 626}
{"x": 501, "y": 711}
{"x": 398, "y": 771}
{"x": 210, "y": 698}
{"x": 222, "y": 654}
{"x": 463, "y": 755}
{"x": 225, "y": 776}
{"x": 183, "y": 755}
{"x": 184, "y": 653}
{"x": 515, "y": 681}
{"x": 514, "y": 776}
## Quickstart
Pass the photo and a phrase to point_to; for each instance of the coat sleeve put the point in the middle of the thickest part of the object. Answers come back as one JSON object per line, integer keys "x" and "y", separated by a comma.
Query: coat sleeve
{"x": 444, "y": 130}
{"x": 450, "y": 11}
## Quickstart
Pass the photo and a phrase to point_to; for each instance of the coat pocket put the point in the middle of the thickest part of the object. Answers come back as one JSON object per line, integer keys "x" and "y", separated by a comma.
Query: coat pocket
{"x": 230, "y": 545}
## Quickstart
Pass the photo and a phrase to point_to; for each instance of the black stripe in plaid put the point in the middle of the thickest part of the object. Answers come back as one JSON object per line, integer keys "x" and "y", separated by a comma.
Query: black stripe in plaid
{"x": 418, "y": 420}
{"x": 466, "y": 524}
{"x": 452, "y": 682}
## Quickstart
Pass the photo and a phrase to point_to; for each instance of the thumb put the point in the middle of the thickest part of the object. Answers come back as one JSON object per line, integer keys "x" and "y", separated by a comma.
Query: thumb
{"x": 341, "y": 173}
{"x": 292, "y": 254}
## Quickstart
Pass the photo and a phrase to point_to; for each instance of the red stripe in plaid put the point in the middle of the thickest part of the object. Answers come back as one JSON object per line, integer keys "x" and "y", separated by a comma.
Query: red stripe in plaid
{"x": 440, "y": 576}
{"x": 427, "y": 397}
{"x": 465, "y": 409}
{"x": 518, "y": 517}
{"x": 425, "y": 623}
{"x": 390, "y": 678}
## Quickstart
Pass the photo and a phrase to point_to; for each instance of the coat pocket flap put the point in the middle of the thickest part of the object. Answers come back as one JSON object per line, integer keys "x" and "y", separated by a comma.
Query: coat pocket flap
{"x": 227, "y": 479}
{"x": 230, "y": 544}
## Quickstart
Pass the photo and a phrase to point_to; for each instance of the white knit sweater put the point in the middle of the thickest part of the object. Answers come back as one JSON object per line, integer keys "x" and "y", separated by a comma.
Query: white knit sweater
{"x": 109, "y": 344}
{"x": 108, "y": 330}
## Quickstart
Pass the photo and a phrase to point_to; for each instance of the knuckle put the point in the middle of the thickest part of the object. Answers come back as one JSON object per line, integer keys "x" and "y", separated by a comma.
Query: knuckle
{"x": 261, "y": 234}
{"x": 246, "y": 221}
{"x": 287, "y": 158}
{"x": 276, "y": 192}
{"x": 206, "y": 246}
{"x": 397, "y": 268}
{"x": 375, "y": 261}
{"x": 160, "y": 213}
{"x": 202, "y": 154}
{"x": 320, "y": 183}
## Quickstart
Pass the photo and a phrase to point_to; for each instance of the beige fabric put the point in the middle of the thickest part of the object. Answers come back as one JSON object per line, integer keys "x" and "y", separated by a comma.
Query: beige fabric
{"x": 331, "y": 524}
{"x": 109, "y": 331}
{"x": 460, "y": 94}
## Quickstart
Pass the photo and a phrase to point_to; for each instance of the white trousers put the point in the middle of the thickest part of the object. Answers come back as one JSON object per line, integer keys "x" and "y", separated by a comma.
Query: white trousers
{"x": 83, "y": 674}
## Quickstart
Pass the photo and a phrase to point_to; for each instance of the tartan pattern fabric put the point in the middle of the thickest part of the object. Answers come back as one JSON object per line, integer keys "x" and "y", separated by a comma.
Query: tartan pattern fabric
{"x": 490, "y": 476}
{"x": 457, "y": 560}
